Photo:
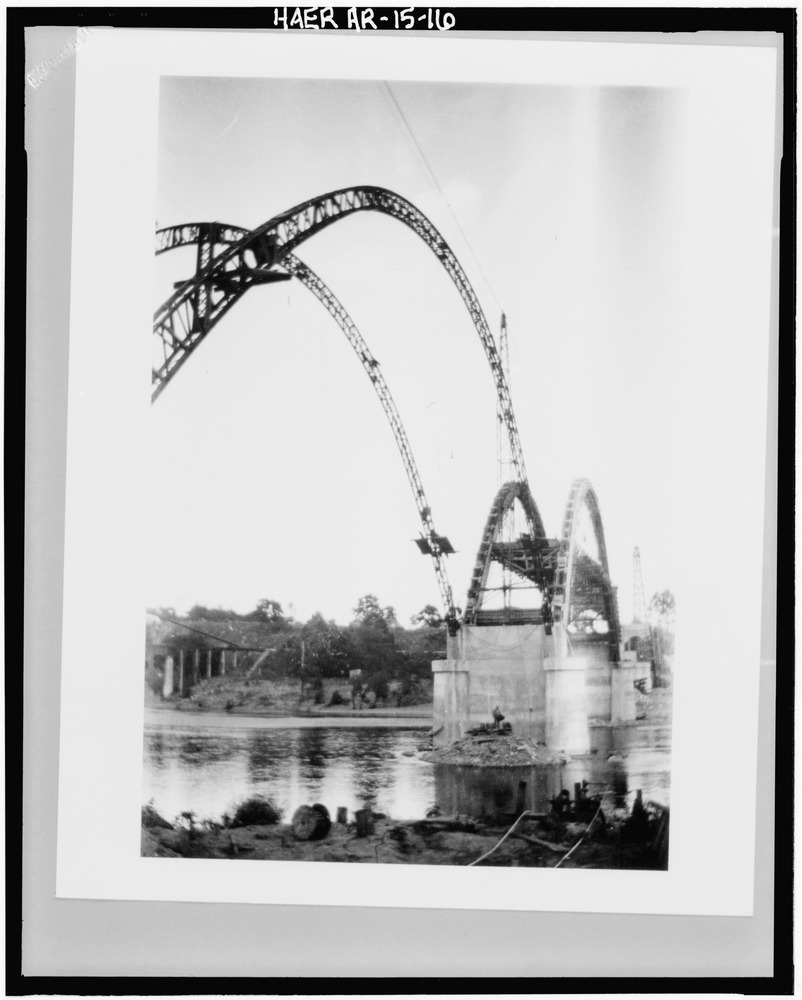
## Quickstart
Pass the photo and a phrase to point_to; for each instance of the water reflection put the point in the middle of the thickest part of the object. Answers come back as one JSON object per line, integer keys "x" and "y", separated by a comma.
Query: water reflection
{"x": 208, "y": 765}
{"x": 490, "y": 792}
{"x": 208, "y": 768}
{"x": 312, "y": 753}
{"x": 372, "y": 768}
{"x": 626, "y": 760}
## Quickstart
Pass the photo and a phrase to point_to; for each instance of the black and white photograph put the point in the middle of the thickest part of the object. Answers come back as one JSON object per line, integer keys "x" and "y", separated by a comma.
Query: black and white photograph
{"x": 418, "y": 488}
{"x": 328, "y": 677}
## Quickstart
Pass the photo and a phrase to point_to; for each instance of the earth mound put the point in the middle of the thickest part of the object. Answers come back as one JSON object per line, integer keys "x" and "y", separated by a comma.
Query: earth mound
{"x": 495, "y": 749}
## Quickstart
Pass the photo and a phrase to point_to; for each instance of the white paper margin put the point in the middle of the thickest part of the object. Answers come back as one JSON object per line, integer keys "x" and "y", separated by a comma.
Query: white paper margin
{"x": 715, "y": 727}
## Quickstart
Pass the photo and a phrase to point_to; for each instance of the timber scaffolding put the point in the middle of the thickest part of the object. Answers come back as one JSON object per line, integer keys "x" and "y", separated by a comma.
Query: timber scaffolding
{"x": 509, "y": 616}
{"x": 196, "y": 662}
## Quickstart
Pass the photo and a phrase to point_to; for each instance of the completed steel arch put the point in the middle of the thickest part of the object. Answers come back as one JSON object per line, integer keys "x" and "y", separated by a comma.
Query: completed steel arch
{"x": 595, "y": 588}
{"x": 524, "y": 557}
{"x": 571, "y": 581}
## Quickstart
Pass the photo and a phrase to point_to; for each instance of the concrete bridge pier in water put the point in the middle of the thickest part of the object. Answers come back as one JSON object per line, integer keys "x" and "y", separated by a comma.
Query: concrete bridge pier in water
{"x": 547, "y": 687}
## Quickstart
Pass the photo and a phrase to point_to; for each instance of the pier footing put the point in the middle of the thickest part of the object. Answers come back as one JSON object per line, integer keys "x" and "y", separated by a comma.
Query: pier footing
{"x": 547, "y": 687}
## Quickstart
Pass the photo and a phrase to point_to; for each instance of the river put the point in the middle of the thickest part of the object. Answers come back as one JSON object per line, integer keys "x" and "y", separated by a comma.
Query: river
{"x": 208, "y": 763}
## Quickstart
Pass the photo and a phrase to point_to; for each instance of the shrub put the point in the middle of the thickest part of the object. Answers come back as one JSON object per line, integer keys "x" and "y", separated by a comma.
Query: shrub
{"x": 256, "y": 811}
{"x": 336, "y": 698}
{"x": 154, "y": 680}
{"x": 152, "y": 819}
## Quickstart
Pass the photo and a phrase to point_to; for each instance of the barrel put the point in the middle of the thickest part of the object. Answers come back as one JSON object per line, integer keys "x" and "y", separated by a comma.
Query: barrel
{"x": 365, "y": 824}
{"x": 311, "y": 822}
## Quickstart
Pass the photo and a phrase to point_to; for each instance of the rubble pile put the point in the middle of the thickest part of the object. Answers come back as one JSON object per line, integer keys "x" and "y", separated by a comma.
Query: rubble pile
{"x": 495, "y": 749}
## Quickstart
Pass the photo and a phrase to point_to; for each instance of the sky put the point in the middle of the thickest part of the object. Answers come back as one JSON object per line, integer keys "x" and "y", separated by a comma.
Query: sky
{"x": 574, "y": 209}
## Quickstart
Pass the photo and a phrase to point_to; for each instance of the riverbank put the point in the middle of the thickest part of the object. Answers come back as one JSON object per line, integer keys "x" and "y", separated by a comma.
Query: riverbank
{"x": 167, "y": 716}
{"x": 612, "y": 839}
{"x": 285, "y": 699}
{"x": 238, "y": 696}
{"x": 412, "y": 712}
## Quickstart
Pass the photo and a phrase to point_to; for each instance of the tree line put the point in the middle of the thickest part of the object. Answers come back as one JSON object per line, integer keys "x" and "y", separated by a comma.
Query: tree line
{"x": 373, "y": 642}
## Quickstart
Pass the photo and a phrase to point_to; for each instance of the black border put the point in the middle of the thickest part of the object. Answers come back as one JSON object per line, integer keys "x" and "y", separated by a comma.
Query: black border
{"x": 550, "y": 20}
{"x": 666, "y": 20}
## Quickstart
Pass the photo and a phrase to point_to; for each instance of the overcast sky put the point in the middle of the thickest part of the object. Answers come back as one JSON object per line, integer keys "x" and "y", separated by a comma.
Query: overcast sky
{"x": 576, "y": 210}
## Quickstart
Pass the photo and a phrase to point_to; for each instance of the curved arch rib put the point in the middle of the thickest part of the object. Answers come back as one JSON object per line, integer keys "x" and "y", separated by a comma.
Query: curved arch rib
{"x": 189, "y": 233}
{"x": 432, "y": 543}
{"x": 194, "y": 308}
{"x": 582, "y": 495}
{"x": 529, "y": 558}
{"x": 436, "y": 545}
{"x": 186, "y": 325}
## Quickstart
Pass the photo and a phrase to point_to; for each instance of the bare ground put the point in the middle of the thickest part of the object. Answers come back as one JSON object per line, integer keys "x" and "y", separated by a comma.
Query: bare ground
{"x": 237, "y": 695}
{"x": 534, "y": 843}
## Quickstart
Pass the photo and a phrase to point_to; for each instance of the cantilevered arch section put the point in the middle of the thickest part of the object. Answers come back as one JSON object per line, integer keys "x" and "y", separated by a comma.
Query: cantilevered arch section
{"x": 430, "y": 542}
{"x": 230, "y": 260}
{"x": 570, "y": 575}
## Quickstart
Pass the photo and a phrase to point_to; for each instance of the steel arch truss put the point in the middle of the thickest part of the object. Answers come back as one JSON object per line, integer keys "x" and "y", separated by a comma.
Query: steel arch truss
{"x": 231, "y": 260}
{"x": 431, "y": 543}
{"x": 205, "y": 235}
{"x": 582, "y": 587}
{"x": 528, "y": 556}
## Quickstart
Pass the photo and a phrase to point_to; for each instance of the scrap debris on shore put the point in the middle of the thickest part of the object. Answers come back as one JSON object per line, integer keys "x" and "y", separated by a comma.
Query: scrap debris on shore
{"x": 572, "y": 835}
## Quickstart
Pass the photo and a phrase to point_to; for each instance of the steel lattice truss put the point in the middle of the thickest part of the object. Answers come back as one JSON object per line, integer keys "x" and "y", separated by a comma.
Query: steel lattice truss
{"x": 582, "y": 583}
{"x": 231, "y": 260}
{"x": 436, "y": 545}
{"x": 573, "y": 584}
{"x": 525, "y": 558}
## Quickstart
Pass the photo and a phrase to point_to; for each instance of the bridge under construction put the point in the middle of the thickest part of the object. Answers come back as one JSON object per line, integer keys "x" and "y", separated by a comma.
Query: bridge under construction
{"x": 539, "y": 634}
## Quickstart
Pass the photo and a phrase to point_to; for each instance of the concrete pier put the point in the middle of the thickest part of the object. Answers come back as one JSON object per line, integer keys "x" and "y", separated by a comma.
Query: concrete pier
{"x": 622, "y": 695}
{"x": 167, "y": 688}
{"x": 450, "y": 701}
{"x": 566, "y": 703}
{"x": 547, "y": 687}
